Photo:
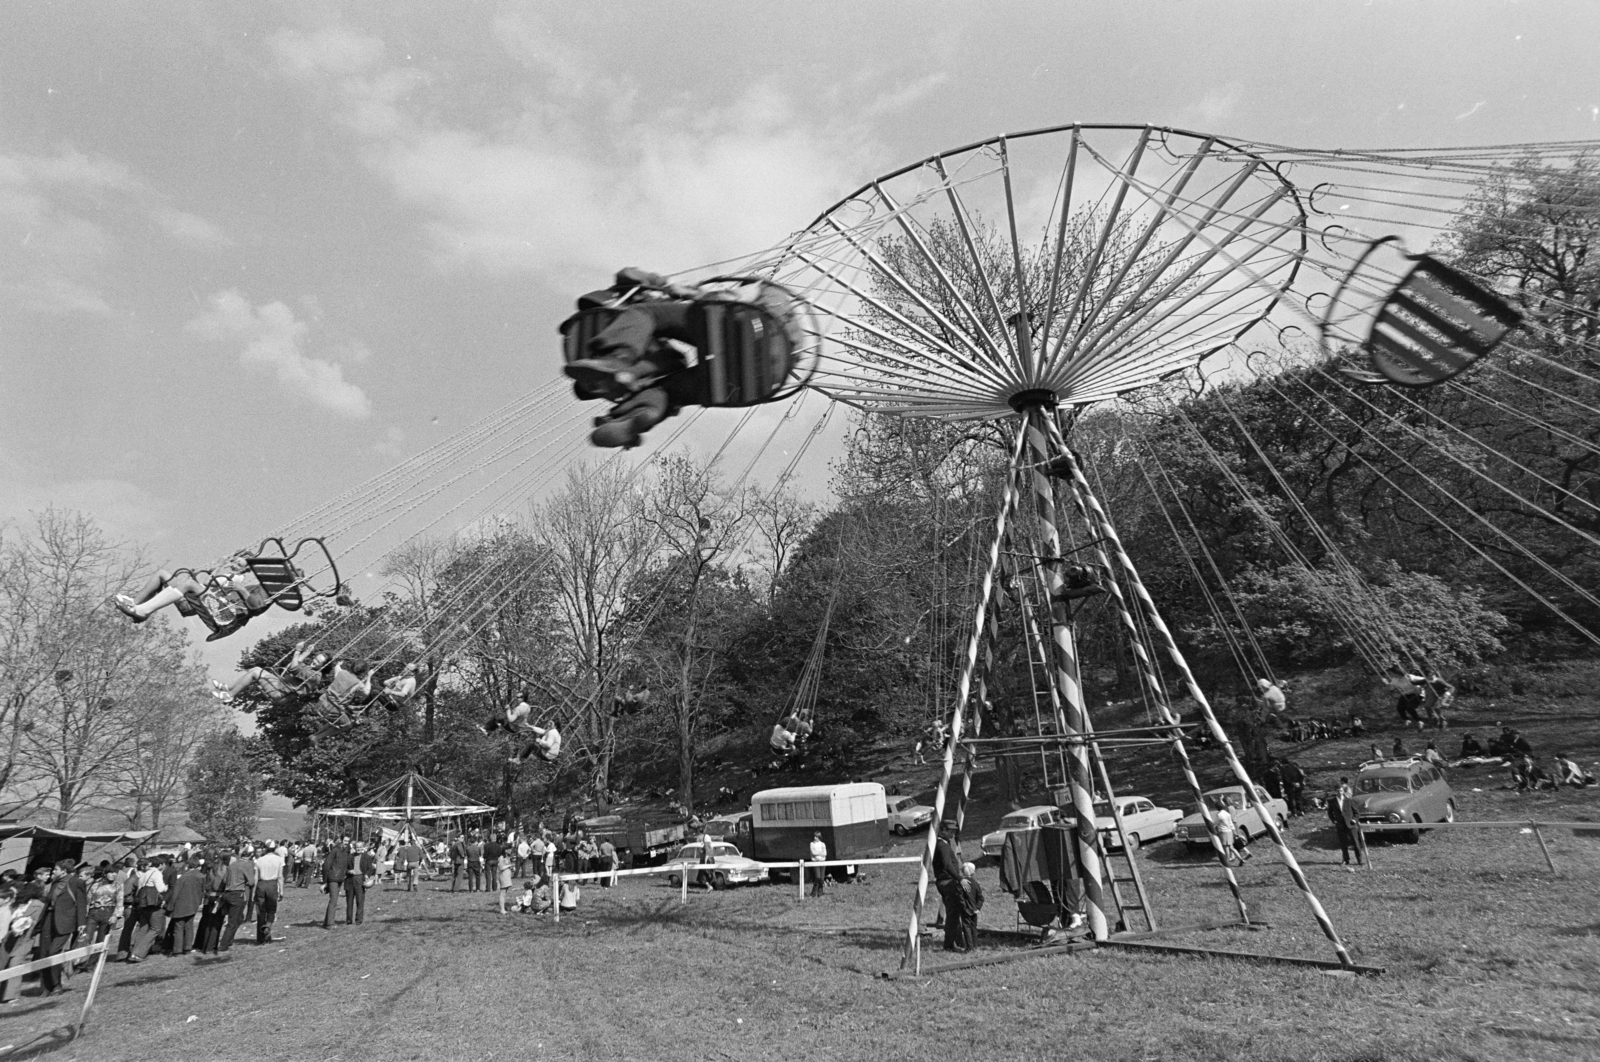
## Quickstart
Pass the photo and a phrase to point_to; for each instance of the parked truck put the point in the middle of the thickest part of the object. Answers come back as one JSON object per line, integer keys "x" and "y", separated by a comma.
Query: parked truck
{"x": 637, "y": 845}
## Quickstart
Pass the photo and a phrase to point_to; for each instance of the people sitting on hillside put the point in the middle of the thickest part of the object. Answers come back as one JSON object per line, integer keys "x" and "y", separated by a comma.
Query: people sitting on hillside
{"x": 1510, "y": 744}
{"x": 1399, "y": 750}
{"x": 1529, "y": 776}
{"x": 1471, "y": 748}
{"x": 1357, "y": 727}
{"x": 1569, "y": 773}
{"x": 1432, "y": 756}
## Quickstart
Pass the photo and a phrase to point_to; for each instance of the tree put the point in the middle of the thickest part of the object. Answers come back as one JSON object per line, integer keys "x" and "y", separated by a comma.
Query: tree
{"x": 224, "y": 791}
{"x": 171, "y": 728}
{"x": 76, "y": 680}
{"x": 692, "y": 606}
{"x": 599, "y": 542}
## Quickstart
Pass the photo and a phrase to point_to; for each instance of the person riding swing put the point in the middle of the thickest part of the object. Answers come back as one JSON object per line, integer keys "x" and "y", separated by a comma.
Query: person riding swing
{"x": 307, "y": 670}
{"x": 347, "y": 688}
{"x": 630, "y": 344}
{"x": 546, "y": 745}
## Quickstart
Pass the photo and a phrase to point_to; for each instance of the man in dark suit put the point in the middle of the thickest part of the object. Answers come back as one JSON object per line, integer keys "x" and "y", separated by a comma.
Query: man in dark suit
{"x": 337, "y": 866}
{"x": 946, "y": 871}
{"x": 355, "y": 886}
{"x": 184, "y": 900}
{"x": 474, "y": 863}
{"x": 66, "y": 912}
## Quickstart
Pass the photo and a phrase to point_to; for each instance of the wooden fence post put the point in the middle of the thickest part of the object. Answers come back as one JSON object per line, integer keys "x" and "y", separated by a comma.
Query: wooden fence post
{"x": 94, "y": 985}
{"x": 1543, "y": 847}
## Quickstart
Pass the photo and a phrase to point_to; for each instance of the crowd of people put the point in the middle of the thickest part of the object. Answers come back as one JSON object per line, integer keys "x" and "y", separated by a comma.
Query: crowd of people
{"x": 192, "y": 901}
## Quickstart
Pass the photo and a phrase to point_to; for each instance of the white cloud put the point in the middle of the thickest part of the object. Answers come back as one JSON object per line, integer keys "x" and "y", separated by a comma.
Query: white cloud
{"x": 274, "y": 340}
{"x": 190, "y": 228}
{"x": 58, "y": 215}
{"x": 610, "y": 178}
{"x": 1216, "y": 106}
{"x": 125, "y": 511}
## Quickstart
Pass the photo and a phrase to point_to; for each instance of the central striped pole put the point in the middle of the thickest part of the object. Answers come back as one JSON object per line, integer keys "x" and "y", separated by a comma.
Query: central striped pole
{"x": 1065, "y": 674}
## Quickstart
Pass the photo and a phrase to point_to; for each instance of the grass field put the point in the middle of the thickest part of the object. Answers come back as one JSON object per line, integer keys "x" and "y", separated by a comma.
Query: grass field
{"x": 1487, "y": 955}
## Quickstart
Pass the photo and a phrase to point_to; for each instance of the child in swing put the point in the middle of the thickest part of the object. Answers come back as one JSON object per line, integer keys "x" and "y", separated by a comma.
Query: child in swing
{"x": 231, "y": 592}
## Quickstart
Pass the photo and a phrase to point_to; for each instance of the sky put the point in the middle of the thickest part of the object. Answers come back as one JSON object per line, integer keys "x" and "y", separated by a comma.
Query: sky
{"x": 252, "y": 254}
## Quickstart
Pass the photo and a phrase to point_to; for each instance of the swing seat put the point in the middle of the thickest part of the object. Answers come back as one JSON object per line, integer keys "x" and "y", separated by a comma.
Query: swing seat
{"x": 284, "y": 582}
{"x": 748, "y": 350}
{"x": 1436, "y": 323}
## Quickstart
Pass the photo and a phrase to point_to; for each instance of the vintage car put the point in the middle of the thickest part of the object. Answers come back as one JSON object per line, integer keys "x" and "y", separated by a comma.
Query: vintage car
{"x": 907, "y": 816}
{"x": 1396, "y": 791}
{"x": 1246, "y": 820}
{"x": 1030, "y": 818}
{"x": 1143, "y": 820}
{"x": 727, "y": 867}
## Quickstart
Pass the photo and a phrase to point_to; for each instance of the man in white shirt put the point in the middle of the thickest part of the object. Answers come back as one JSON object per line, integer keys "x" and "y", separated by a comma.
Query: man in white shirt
{"x": 269, "y": 890}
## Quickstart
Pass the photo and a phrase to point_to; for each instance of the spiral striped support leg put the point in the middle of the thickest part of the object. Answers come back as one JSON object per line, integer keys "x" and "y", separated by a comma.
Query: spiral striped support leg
{"x": 1065, "y": 675}
{"x": 969, "y": 759}
{"x": 913, "y": 952}
{"x": 1147, "y": 672}
{"x": 1157, "y": 624}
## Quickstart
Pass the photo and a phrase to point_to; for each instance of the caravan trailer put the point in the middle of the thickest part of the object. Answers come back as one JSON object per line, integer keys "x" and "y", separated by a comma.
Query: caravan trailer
{"x": 853, "y": 819}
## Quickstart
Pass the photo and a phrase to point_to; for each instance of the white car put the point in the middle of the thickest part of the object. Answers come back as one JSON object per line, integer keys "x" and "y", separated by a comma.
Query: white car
{"x": 1143, "y": 820}
{"x": 727, "y": 866}
{"x": 1022, "y": 819}
{"x": 1192, "y": 829}
{"x": 907, "y": 816}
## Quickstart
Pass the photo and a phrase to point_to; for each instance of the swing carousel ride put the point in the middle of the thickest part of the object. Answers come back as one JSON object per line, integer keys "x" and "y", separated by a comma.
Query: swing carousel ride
{"x": 1027, "y": 281}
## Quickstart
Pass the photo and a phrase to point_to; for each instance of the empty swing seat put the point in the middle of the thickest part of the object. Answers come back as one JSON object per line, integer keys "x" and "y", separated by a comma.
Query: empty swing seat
{"x": 280, "y": 580}
{"x": 1436, "y": 323}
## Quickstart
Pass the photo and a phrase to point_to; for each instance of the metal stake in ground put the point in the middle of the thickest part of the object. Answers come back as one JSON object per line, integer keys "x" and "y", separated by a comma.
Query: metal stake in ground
{"x": 1159, "y": 626}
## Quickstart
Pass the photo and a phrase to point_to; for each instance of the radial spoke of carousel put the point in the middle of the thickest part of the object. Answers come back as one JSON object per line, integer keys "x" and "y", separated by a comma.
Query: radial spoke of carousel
{"x": 1269, "y": 823}
{"x": 1008, "y": 501}
{"x": 1129, "y": 329}
{"x": 1130, "y": 337}
{"x": 958, "y": 210}
{"x": 987, "y": 350}
{"x": 1133, "y": 255}
{"x": 1071, "y": 322}
{"x": 1068, "y": 346}
{"x": 1069, "y": 176}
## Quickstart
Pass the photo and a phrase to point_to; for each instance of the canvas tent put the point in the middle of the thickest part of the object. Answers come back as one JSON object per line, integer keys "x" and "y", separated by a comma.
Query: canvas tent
{"x": 24, "y": 847}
